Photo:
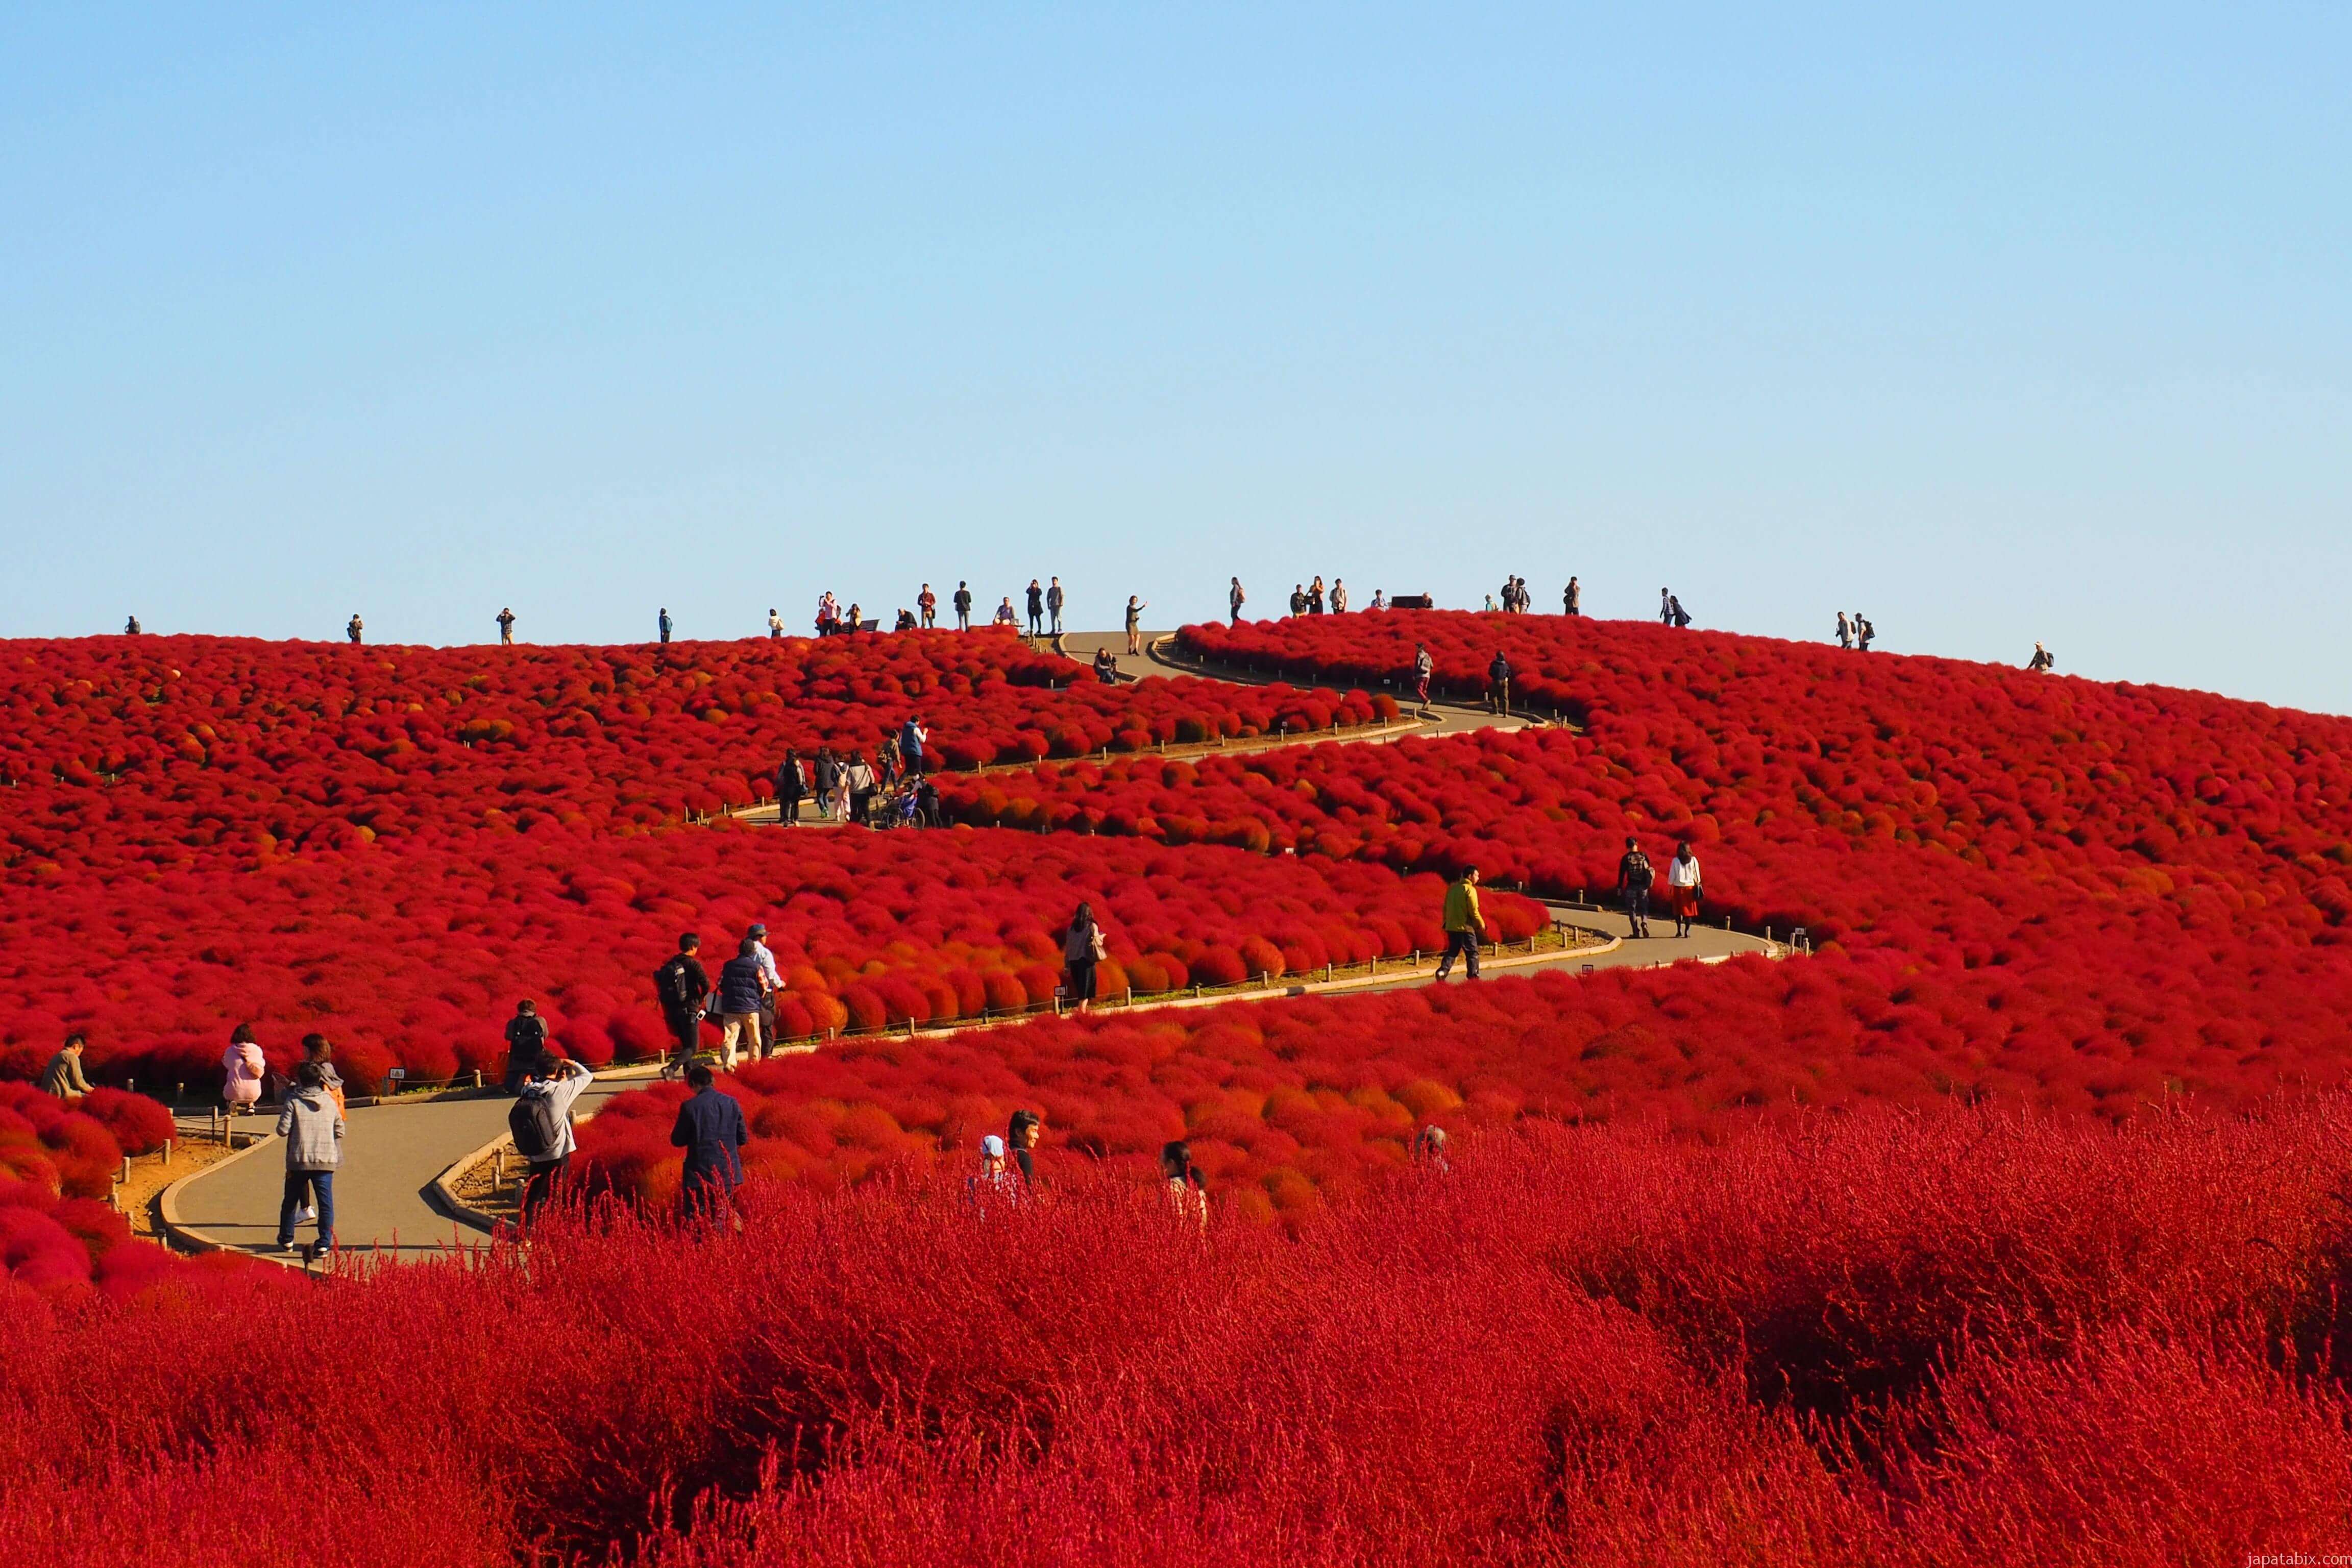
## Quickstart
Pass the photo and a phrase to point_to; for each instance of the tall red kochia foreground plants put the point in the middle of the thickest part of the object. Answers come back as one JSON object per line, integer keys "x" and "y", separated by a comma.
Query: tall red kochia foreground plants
{"x": 1939, "y": 1337}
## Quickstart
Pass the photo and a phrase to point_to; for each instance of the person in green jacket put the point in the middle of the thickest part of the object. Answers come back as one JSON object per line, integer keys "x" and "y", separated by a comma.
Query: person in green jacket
{"x": 1463, "y": 923}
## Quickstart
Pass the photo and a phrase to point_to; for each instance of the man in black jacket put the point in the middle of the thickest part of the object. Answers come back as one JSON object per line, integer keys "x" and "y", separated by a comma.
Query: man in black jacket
{"x": 684, "y": 987}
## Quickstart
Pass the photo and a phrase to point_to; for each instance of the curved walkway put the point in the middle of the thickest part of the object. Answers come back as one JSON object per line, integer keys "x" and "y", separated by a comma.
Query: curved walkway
{"x": 385, "y": 1197}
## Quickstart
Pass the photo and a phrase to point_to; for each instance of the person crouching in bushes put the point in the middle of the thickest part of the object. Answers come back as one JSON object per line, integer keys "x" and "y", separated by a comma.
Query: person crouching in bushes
{"x": 1682, "y": 887}
{"x": 1082, "y": 949}
{"x": 709, "y": 1128}
{"x": 1463, "y": 923}
{"x": 526, "y": 1043}
{"x": 541, "y": 1123}
{"x": 245, "y": 1067}
{"x": 313, "y": 1130}
{"x": 1188, "y": 1191}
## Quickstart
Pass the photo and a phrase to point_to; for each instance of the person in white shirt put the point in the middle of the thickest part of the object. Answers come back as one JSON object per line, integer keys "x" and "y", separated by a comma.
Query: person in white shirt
{"x": 1683, "y": 887}
{"x": 558, "y": 1084}
{"x": 1338, "y": 598}
{"x": 773, "y": 977}
{"x": 775, "y": 622}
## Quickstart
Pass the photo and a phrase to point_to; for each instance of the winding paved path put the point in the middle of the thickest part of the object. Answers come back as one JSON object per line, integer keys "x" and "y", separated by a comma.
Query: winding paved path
{"x": 394, "y": 1153}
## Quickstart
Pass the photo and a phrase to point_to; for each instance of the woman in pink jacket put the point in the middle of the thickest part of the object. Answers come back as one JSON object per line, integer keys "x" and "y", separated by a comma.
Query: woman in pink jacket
{"x": 245, "y": 1065}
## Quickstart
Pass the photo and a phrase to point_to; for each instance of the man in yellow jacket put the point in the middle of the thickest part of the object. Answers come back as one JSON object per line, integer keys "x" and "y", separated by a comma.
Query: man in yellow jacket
{"x": 1463, "y": 923}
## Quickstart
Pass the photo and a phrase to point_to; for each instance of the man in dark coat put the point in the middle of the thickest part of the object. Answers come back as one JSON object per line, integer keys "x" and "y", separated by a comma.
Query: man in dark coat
{"x": 710, "y": 1129}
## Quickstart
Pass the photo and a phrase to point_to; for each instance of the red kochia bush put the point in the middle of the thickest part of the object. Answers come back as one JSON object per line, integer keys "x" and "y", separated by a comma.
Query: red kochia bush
{"x": 1530, "y": 1357}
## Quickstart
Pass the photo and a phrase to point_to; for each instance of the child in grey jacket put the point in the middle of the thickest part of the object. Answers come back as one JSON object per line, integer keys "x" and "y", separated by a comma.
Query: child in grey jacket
{"x": 314, "y": 1128}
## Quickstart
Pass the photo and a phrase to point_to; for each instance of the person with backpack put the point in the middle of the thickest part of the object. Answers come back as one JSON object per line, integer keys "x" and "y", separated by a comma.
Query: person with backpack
{"x": 792, "y": 788}
{"x": 313, "y": 1129}
{"x": 1465, "y": 924}
{"x": 742, "y": 988}
{"x": 1634, "y": 875}
{"x": 1862, "y": 631}
{"x": 540, "y": 1123}
{"x": 1683, "y": 887}
{"x": 526, "y": 1043}
{"x": 709, "y": 1128}
{"x": 131, "y": 626}
{"x": 683, "y": 988}
{"x": 2042, "y": 662}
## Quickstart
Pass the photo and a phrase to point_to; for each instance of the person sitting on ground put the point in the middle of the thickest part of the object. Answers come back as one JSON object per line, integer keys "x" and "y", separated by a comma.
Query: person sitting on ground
{"x": 1022, "y": 1132}
{"x": 683, "y": 988}
{"x": 1004, "y": 615}
{"x": 1682, "y": 887}
{"x": 905, "y": 622}
{"x": 313, "y": 1129}
{"x": 526, "y": 1039}
{"x": 1106, "y": 667}
{"x": 1463, "y": 921}
{"x": 63, "y": 1077}
{"x": 709, "y": 1128}
{"x": 131, "y": 627}
{"x": 1188, "y": 1191}
{"x": 245, "y": 1068}
{"x": 542, "y": 1124}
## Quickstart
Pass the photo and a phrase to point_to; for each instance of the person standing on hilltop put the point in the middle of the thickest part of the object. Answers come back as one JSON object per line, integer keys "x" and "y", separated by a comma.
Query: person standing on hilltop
{"x": 1054, "y": 602}
{"x": 1845, "y": 631}
{"x": 506, "y": 627}
{"x": 1338, "y": 598}
{"x": 662, "y": 622}
{"x": 1315, "y": 595}
{"x": 1036, "y": 609}
{"x": 1674, "y": 611}
{"x": 963, "y": 606}
{"x": 1862, "y": 631}
{"x": 1634, "y": 877}
{"x": 928, "y": 604}
{"x": 354, "y": 628}
{"x": 1572, "y": 600}
{"x": 1465, "y": 924}
{"x": 775, "y": 624}
{"x": 1234, "y": 597}
{"x": 1665, "y": 608}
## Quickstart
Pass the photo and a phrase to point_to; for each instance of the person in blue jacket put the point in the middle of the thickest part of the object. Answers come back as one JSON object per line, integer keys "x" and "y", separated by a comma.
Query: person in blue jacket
{"x": 710, "y": 1129}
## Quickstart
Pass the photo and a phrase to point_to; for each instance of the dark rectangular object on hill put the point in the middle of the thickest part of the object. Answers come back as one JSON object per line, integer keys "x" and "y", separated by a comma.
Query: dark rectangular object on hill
{"x": 1412, "y": 602}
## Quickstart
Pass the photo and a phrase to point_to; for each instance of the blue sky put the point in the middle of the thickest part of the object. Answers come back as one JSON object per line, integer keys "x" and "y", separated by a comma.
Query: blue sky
{"x": 1996, "y": 324}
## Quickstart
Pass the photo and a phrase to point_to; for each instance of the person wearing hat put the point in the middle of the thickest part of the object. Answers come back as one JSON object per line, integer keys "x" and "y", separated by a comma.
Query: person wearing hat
{"x": 771, "y": 980}
{"x": 992, "y": 1182}
{"x": 526, "y": 1040}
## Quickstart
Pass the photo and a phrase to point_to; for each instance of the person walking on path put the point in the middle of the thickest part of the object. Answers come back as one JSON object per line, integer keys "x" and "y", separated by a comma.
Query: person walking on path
{"x": 62, "y": 1079}
{"x": 314, "y": 1128}
{"x": 1465, "y": 924}
{"x": 913, "y": 743}
{"x": 741, "y": 989}
{"x": 1571, "y": 599}
{"x": 1135, "y": 608}
{"x": 2042, "y": 661}
{"x": 245, "y": 1067}
{"x": 1423, "y": 668}
{"x": 506, "y": 627}
{"x": 1634, "y": 875}
{"x": 963, "y": 606}
{"x": 683, "y": 988}
{"x": 772, "y": 979}
{"x": 1234, "y": 600}
{"x": 1675, "y": 614}
{"x": 663, "y": 621}
{"x": 1338, "y": 598}
{"x": 354, "y": 628}
{"x": 823, "y": 776}
{"x": 1082, "y": 949}
{"x": 856, "y": 788}
{"x": 1845, "y": 631}
{"x": 1036, "y": 609}
{"x": 1187, "y": 1190}
{"x": 1498, "y": 684}
{"x": 709, "y": 1128}
{"x": 541, "y": 1123}
{"x": 1683, "y": 887}
{"x": 1054, "y": 601}
{"x": 1022, "y": 1133}
{"x": 792, "y": 788}
{"x": 1862, "y": 631}
{"x": 526, "y": 1043}
{"x": 928, "y": 604}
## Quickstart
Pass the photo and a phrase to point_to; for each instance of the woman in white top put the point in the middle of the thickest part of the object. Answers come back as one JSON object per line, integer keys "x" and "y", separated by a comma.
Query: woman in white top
{"x": 1682, "y": 884}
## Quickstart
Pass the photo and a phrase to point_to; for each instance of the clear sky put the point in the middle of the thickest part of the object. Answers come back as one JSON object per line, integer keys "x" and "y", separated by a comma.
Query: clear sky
{"x": 1994, "y": 323}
